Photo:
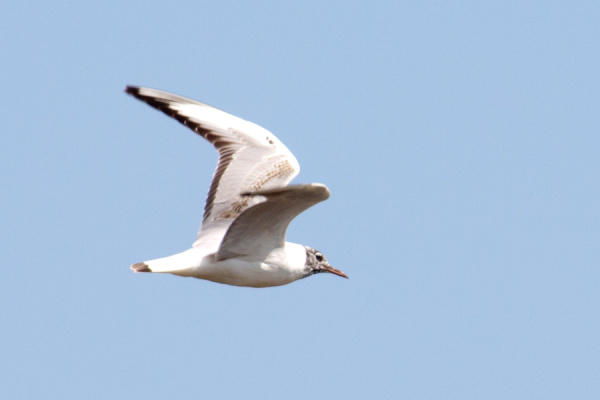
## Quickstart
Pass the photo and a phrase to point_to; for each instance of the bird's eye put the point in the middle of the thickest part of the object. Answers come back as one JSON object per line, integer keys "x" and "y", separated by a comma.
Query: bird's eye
{"x": 319, "y": 257}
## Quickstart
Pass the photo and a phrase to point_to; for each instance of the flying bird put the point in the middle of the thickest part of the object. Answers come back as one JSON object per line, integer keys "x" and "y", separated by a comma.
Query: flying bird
{"x": 249, "y": 205}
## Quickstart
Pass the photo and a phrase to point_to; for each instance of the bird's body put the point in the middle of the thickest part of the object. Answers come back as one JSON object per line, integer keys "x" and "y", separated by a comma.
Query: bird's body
{"x": 280, "y": 267}
{"x": 242, "y": 238}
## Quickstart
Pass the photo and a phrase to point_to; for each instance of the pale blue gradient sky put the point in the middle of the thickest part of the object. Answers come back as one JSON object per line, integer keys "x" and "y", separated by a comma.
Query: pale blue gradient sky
{"x": 460, "y": 143}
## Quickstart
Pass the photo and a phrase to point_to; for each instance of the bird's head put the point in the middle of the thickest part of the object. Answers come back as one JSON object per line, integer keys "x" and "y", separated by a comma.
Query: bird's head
{"x": 316, "y": 263}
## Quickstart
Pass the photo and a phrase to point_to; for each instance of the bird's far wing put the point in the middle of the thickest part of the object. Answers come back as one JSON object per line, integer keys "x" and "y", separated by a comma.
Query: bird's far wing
{"x": 261, "y": 228}
{"x": 250, "y": 157}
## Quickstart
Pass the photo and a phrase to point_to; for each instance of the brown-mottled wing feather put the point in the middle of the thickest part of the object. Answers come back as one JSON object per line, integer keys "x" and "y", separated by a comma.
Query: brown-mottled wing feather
{"x": 250, "y": 157}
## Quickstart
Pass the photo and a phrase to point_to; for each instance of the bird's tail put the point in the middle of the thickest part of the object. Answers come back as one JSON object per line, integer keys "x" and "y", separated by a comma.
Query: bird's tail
{"x": 140, "y": 267}
{"x": 178, "y": 264}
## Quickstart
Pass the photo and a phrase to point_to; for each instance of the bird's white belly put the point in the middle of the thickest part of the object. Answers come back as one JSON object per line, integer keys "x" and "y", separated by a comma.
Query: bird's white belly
{"x": 243, "y": 273}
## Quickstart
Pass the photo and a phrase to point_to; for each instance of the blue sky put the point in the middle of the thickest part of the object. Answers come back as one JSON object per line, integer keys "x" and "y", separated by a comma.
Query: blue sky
{"x": 460, "y": 143}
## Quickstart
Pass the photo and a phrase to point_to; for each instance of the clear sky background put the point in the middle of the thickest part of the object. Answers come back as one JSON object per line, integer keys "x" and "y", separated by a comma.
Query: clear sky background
{"x": 460, "y": 141}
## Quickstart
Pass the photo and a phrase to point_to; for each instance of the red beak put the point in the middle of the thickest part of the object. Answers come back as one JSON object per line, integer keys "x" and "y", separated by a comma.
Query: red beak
{"x": 336, "y": 272}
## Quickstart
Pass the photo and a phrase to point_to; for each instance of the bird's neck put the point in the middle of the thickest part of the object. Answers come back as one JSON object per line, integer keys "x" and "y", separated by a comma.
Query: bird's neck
{"x": 292, "y": 256}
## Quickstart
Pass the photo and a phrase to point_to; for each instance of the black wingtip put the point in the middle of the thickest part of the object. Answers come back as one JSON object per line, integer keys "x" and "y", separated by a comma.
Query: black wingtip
{"x": 132, "y": 90}
{"x": 140, "y": 267}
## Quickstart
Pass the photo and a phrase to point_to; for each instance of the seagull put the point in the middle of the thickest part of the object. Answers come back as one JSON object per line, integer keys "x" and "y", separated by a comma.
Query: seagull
{"x": 249, "y": 206}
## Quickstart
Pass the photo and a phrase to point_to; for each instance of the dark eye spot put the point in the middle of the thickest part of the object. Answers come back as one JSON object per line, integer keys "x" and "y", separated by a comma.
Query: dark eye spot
{"x": 319, "y": 257}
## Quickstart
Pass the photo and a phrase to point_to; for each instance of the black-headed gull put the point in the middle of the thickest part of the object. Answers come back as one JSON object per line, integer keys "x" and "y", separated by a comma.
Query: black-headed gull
{"x": 249, "y": 206}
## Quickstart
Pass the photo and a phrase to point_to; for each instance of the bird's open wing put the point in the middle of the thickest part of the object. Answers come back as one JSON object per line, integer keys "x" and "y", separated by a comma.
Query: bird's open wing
{"x": 250, "y": 157}
{"x": 261, "y": 228}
